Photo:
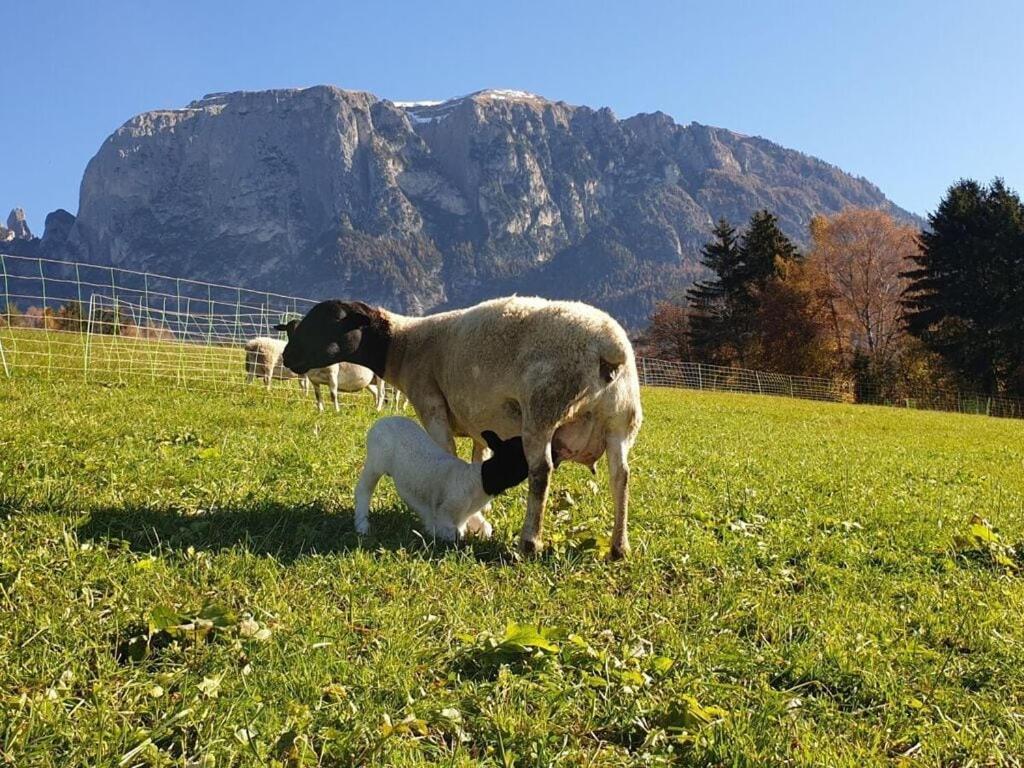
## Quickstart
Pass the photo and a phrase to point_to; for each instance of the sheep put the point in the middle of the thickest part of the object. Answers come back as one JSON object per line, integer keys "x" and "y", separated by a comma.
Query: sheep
{"x": 561, "y": 374}
{"x": 446, "y": 492}
{"x": 345, "y": 377}
{"x": 263, "y": 359}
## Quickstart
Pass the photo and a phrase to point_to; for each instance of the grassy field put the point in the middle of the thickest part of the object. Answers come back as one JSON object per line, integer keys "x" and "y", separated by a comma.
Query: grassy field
{"x": 181, "y": 584}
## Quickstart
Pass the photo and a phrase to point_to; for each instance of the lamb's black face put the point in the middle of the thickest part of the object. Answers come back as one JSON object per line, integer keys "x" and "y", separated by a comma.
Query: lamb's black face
{"x": 331, "y": 332}
{"x": 507, "y": 467}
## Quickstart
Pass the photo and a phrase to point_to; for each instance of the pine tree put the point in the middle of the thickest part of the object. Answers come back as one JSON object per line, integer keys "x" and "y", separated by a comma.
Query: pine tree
{"x": 707, "y": 299}
{"x": 71, "y": 317}
{"x": 723, "y": 325}
{"x": 764, "y": 249}
{"x": 966, "y": 296}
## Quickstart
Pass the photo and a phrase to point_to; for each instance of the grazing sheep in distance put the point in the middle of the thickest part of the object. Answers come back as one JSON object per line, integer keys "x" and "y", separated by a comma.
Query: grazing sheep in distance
{"x": 345, "y": 377}
{"x": 561, "y": 374}
{"x": 263, "y": 360}
{"x": 446, "y": 492}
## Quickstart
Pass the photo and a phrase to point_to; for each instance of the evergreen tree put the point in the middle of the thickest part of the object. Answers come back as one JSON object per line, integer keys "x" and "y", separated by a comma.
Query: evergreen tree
{"x": 71, "y": 317}
{"x": 707, "y": 298}
{"x": 764, "y": 250}
{"x": 966, "y": 296}
{"x": 724, "y": 321}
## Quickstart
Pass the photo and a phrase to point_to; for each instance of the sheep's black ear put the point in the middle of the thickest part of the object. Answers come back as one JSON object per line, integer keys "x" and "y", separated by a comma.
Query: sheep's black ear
{"x": 357, "y": 314}
{"x": 290, "y": 326}
{"x": 492, "y": 440}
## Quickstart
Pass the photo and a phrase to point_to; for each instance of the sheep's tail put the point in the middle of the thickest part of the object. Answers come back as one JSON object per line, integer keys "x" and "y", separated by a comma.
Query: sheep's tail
{"x": 612, "y": 359}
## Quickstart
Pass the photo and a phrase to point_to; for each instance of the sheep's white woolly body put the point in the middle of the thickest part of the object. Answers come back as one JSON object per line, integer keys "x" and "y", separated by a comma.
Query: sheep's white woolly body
{"x": 345, "y": 377}
{"x": 263, "y": 360}
{"x": 562, "y": 374}
{"x": 446, "y": 492}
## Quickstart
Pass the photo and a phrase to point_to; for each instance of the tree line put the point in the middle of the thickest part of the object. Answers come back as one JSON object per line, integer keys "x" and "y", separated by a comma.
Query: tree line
{"x": 72, "y": 317}
{"x": 874, "y": 300}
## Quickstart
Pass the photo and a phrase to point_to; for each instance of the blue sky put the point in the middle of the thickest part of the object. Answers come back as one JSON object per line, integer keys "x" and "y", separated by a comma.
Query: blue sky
{"x": 911, "y": 95}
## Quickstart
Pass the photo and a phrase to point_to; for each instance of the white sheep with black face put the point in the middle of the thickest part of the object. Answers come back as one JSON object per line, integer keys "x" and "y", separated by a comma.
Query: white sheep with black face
{"x": 448, "y": 494}
{"x": 560, "y": 374}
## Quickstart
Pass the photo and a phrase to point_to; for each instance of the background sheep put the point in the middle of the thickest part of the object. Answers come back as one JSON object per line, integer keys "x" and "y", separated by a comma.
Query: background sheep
{"x": 263, "y": 360}
{"x": 561, "y": 374}
{"x": 446, "y": 492}
{"x": 346, "y": 377}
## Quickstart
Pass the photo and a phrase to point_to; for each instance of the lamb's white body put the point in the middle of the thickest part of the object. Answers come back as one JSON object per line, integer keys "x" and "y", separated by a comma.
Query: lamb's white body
{"x": 263, "y": 360}
{"x": 445, "y": 491}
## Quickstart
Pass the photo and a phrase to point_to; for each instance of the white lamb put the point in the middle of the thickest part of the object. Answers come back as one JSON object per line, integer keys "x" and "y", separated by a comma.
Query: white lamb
{"x": 561, "y": 374}
{"x": 447, "y": 493}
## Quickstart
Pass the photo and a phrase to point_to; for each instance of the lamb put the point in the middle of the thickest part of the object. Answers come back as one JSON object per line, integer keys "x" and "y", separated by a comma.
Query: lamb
{"x": 560, "y": 374}
{"x": 447, "y": 493}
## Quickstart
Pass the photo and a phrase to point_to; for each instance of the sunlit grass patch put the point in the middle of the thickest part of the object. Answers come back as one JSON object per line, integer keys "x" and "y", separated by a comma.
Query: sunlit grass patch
{"x": 181, "y": 583}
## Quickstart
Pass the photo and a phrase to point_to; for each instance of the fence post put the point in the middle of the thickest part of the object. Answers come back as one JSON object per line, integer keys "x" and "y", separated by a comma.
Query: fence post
{"x": 117, "y": 312}
{"x": 88, "y": 336}
{"x": 757, "y": 377}
{"x": 7, "y": 307}
{"x": 700, "y": 378}
{"x": 45, "y": 320}
{"x": 643, "y": 369}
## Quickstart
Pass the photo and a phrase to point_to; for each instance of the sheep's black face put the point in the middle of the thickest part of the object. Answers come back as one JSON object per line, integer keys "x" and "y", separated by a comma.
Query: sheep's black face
{"x": 331, "y": 332}
{"x": 507, "y": 467}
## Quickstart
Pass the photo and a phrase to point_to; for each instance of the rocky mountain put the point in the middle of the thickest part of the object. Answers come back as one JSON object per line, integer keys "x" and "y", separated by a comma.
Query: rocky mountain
{"x": 18, "y": 226}
{"x": 418, "y": 206}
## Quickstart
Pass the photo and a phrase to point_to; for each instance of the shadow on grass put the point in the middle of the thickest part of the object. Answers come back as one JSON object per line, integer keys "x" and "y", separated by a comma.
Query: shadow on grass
{"x": 283, "y": 532}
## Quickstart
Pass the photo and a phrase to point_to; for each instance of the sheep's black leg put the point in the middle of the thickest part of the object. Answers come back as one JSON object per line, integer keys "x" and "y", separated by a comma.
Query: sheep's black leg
{"x": 538, "y": 456}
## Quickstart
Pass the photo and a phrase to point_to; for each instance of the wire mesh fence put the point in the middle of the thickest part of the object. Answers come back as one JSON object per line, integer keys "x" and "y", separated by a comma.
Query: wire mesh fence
{"x": 111, "y": 325}
{"x": 688, "y": 375}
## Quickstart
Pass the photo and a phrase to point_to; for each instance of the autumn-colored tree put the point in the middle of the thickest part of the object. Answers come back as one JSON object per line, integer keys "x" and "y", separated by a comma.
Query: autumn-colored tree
{"x": 668, "y": 336}
{"x": 791, "y": 322}
{"x": 863, "y": 254}
{"x": 41, "y": 318}
{"x": 13, "y": 316}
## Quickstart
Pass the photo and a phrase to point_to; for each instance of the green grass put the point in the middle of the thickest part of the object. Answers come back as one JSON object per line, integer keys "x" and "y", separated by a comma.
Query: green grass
{"x": 810, "y": 570}
{"x": 107, "y": 359}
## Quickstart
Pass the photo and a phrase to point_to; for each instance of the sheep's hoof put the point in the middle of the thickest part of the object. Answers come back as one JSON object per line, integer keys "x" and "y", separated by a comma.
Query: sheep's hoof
{"x": 530, "y": 547}
{"x": 619, "y": 552}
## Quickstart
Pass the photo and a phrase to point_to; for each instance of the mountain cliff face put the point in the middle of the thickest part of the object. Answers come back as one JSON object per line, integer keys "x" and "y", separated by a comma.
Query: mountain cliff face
{"x": 418, "y": 206}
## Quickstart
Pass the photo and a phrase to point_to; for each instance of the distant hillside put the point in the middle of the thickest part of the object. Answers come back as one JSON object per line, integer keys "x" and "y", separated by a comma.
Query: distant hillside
{"x": 417, "y": 206}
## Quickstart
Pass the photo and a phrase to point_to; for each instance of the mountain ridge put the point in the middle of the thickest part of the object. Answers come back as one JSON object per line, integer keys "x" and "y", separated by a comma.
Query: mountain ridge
{"x": 426, "y": 205}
